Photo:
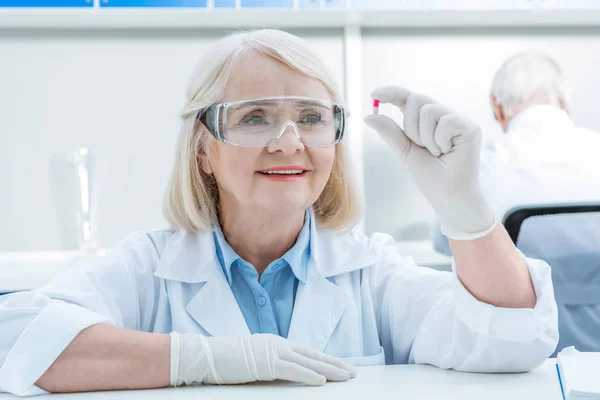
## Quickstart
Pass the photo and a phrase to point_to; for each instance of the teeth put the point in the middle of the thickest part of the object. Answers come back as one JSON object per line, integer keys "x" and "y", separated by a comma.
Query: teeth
{"x": 284, "y": 172}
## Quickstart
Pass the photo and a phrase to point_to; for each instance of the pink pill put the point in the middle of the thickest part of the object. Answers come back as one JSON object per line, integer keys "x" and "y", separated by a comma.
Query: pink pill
{"x": 375, "y": 107}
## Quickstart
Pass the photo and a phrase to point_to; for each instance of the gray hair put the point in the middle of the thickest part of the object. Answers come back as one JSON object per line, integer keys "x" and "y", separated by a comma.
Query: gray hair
{"x": 528, "y": 79}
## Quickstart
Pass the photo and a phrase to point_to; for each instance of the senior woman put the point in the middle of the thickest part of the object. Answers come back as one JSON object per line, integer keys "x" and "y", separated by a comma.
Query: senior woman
{"x": 260, "y": 277}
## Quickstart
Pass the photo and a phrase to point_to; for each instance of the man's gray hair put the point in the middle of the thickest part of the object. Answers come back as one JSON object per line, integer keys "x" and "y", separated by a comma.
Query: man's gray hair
{"x": 528, "y": 79}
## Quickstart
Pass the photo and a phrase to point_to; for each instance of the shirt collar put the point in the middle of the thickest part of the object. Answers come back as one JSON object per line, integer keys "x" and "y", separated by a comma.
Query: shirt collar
{"x": 541, "y": 117}
{"x": 227, "y": 256}
{"x": 297, "y": 257}
{"x": 191, "y": 257}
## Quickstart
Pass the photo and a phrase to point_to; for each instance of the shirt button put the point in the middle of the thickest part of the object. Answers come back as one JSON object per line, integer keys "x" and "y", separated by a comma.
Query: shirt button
{"x": 262, "y": 301}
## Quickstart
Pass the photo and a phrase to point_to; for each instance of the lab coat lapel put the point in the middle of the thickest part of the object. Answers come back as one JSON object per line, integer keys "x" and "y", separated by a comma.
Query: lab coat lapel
{"x": 320, "y": 304}
{"x": 215, "y": 308}
{"x": 190, "y": 258}
{"x": 318, "y": 308}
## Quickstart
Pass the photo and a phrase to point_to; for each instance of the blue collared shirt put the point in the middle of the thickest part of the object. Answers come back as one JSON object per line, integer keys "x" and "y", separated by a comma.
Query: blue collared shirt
{"x": 266, "y": 305}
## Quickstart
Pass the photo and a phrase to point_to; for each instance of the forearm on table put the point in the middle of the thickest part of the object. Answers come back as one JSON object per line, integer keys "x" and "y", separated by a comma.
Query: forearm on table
{"x": 493, "y": 271}
{"x": 105, "y": 357}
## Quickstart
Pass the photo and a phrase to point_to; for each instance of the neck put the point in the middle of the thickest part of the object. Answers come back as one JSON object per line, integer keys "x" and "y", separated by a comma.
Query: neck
{"x": 258, "y": 237}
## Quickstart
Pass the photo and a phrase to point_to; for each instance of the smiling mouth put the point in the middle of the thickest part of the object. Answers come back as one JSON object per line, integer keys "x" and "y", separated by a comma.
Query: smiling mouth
{"x": 291, "y": 172}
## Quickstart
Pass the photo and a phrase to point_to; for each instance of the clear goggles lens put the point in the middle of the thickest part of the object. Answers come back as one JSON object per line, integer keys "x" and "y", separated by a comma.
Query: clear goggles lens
{"x": 262, "y": 122}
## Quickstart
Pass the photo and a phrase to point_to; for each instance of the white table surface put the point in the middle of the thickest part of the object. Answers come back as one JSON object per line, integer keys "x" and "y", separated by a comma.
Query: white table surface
{"x": 30, "y": 270}
{"x": 401, "y": 382}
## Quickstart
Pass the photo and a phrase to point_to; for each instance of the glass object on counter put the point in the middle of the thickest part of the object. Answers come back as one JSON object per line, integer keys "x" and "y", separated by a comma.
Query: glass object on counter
{"x": 82, "y": 163}
{"x": 73, "y": 179}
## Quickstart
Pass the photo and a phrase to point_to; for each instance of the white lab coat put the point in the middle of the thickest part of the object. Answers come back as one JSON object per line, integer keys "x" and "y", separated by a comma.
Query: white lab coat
{"x": 542, "y": 159}
{"x": 362, "y": 301}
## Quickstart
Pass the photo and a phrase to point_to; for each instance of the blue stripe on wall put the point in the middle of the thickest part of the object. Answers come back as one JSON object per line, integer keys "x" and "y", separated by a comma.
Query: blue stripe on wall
{"x": 175, "y": 3}
{"x": 153, "y": 3}
{"x": 224, "y": 3}
{"x": 46, "y": 3}
{"x": 267, "y": 3}
{"x": 317, "y": 3}
{"x": 335, "y": 3}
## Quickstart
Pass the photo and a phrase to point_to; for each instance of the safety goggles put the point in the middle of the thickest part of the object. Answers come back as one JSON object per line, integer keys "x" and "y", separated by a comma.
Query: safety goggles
{"x": 262, "y": 122}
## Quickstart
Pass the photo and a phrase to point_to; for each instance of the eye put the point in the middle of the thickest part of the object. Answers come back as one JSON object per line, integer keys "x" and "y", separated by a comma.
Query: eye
{"x": 311, "y": 119}
{"x": 254, "y": 120}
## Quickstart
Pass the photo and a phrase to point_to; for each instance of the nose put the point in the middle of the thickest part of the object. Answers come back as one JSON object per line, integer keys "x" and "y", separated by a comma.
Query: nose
{"x": 288, "y": 141}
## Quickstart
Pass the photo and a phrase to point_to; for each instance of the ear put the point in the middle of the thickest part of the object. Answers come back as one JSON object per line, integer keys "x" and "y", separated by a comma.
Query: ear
{"x": 204, "y": 164}
{"x": 568, "y": 110}
{"x": 498, "y": 111}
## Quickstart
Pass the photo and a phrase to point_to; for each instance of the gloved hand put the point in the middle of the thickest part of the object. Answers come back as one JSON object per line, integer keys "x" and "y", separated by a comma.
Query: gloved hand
{"x": 260, "y": 357}
{"x": 440, "y": 149}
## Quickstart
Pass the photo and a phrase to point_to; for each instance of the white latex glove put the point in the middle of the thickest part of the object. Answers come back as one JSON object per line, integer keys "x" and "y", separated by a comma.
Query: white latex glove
{"x": 441, "y": 151}
{"x": 260, "y": 357}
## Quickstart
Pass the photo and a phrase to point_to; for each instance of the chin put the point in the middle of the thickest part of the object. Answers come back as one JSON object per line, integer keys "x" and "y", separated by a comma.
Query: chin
{"x": 283, "y": 205}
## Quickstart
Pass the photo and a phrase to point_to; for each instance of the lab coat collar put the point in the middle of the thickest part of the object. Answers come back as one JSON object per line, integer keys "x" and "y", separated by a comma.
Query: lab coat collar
{"x": 544, "y": 118}
{"x": 191, "y": 256}
{"x": 188, "y": 257}
{"x": 319, "y": 305}
{"x": 333, "y": 253}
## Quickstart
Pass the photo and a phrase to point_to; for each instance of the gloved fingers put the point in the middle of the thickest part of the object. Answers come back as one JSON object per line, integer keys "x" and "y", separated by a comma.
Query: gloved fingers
{"x": 409, "y": 103}
{"x": 395, "y": 95}
{"x": 289, "y": 371}
{"x": 331, "y": 372}
{"x": 454, "y": 130}
{"x": 391, "y": 132}
{"x": 412, "y": 117}
{"x": 326, "y": 358}
{"x": 429, "y": 116}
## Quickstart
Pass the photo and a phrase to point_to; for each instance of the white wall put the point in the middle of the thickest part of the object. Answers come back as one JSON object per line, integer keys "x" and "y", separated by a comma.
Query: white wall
{"x": 119, "y": 93}
{"x": 456, "y": 67}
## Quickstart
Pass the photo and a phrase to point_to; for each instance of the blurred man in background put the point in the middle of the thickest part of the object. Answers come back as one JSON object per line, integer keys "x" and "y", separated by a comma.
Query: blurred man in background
{"x": 542, "y": 157}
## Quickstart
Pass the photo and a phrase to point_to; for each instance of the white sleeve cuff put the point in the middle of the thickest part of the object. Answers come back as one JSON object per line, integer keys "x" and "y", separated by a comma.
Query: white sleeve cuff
{"x": 515, "y": 325}
{"x": 459, "y": 235}
{"x": 174, "y": 357}
{"x": 40, "y": 345}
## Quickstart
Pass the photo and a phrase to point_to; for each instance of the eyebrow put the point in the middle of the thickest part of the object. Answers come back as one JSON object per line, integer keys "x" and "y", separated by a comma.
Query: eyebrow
{"x": 258, "y": 103}
{"x": 253, "y": 104}
{"x": 310, "y": 103}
